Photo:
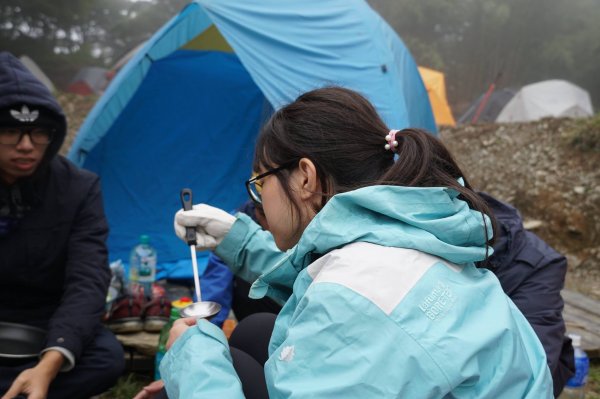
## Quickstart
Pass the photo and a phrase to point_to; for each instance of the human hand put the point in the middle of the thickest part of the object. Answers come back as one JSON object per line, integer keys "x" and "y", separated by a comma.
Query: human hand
{"x": 34, "y": 382}
{"x": 150, "y": 390}
{"x": 211, "y": 225}
{"x": 179, "y": 327}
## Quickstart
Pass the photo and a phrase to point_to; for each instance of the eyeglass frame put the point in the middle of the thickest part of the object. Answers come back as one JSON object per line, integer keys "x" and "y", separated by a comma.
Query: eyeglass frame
{"x": 256, "y": 198}
{"x": 27, "y": 130}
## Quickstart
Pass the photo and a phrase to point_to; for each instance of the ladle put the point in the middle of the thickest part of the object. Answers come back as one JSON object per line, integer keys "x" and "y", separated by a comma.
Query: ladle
{"x": 198, "y": 309}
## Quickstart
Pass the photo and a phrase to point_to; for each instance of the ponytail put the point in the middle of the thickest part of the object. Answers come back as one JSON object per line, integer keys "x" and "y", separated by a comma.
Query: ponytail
{"x": 424, "y": 161}
{"x": 342, "y": 134}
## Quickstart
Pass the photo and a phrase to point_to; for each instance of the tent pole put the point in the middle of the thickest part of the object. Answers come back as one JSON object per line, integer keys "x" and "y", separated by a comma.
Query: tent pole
{"x": 486, "y": 98}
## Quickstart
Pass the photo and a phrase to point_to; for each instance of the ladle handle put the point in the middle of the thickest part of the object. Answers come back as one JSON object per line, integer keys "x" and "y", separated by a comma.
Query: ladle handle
{"x": 186, "y": 202}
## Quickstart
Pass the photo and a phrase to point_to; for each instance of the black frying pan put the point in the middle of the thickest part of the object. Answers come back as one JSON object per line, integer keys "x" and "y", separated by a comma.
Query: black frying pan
{"x": 20, "y": 343}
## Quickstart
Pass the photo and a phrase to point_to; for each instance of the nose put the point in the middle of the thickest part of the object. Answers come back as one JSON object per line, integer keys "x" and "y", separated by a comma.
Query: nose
{"x": 25, "y": 144}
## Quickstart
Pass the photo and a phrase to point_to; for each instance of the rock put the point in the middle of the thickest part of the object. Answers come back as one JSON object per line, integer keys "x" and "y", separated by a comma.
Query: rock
{"x": 573, "y": 261}
{"x": 533, "y": 167}
{"x": 143, "y": 342}
{"x": 532, "y": 224}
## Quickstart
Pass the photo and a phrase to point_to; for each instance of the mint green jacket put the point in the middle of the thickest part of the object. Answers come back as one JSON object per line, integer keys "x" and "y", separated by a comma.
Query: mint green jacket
{"x": 382, "y": 300}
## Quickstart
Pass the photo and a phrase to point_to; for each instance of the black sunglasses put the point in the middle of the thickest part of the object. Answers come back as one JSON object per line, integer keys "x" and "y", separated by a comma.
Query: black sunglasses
{"x": 253, "y": 186}
{"x": 14, "y": 135}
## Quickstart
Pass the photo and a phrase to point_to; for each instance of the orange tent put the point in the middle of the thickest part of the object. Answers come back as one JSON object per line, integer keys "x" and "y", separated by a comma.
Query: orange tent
{"x": 436, "y": 88}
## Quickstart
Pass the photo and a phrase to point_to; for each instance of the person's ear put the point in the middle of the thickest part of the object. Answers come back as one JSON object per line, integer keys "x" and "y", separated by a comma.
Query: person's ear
{"x": 309, "y": 185}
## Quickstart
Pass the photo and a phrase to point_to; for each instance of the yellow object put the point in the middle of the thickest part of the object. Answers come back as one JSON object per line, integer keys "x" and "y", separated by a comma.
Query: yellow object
{"x": 436, "y": 89}
{"x": 210, "y": 39}
{"x": 181, "y": 303}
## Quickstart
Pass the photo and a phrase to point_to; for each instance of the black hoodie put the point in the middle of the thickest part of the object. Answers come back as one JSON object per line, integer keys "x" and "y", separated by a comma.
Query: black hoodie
{"x": 53, "y": 264}
{"x": 532, "y": 274}
{"x": 18, "y": 88}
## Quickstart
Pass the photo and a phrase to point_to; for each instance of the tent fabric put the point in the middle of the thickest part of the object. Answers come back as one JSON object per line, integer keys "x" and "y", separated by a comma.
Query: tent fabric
{"x": 550, "y": 98}
{"x": 334, "y": 42}
{"x": 495, "y": 103}
{"x": 168, "y": 138}
{"x": 178, "y": 31}
{"x": 435, "y": 83}
{"x": 37, "y": 72}
{"x": 184, "y": 111}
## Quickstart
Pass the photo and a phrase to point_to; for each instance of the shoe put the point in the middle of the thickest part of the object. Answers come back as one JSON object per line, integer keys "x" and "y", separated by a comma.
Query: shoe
{"x": 156, "y": 312}
{"x": 125, "y": 314}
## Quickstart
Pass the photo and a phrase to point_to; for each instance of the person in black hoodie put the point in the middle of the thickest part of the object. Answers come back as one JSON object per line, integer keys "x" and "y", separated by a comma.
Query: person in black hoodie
{"x": 532, "y": 274}
{"x": 54, "y": 270}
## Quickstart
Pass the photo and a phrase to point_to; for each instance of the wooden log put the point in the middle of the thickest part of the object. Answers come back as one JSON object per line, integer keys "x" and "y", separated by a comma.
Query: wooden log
{"x": 142, "y": 342}
{"x": 582, "y": 316}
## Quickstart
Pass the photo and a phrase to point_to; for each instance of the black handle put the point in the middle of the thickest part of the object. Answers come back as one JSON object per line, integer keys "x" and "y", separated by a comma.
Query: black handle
{"x": 186, "y": 202}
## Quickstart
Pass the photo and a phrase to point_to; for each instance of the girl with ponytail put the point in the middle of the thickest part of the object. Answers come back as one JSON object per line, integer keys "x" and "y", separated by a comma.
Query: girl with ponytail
{"x": 380, "y": 232}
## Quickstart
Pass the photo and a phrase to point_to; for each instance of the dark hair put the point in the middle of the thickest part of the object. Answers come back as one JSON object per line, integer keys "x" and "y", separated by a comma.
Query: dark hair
{"x": 342, "y": 134}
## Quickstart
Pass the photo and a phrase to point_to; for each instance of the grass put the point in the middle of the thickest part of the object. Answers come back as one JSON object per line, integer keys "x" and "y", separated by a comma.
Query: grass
{"x": 585, "y": 135}
{"x": 593, "y": 388}
{"x": 127, "y": 387}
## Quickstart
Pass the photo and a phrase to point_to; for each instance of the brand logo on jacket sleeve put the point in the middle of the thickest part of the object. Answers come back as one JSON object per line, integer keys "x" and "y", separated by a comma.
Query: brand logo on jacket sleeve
{"x": 438, "y": 301}
{"x": 287, "y": 353}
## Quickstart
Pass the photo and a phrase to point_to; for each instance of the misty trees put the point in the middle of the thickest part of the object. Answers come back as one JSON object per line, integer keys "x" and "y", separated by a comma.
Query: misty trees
{"x": 473, "y": 41}
{"x": 64, "y": 35}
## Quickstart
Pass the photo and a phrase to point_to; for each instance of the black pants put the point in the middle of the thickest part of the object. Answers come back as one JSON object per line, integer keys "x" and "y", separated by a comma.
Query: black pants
{"x": 249, "y": 345}
{"x": 98, "y": 369}
{"x": 244, "y": 306}
{"x": 249, "y": 341}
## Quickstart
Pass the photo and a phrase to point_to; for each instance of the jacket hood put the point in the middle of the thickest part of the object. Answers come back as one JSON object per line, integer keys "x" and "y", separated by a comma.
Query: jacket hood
{"x": 510, "y": 239}
{"x": 24, "y": 94}
{"x": 429, "y": 219}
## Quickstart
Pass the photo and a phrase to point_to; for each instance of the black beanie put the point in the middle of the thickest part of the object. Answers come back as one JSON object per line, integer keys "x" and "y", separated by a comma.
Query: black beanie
{"x": 24, "y": 115}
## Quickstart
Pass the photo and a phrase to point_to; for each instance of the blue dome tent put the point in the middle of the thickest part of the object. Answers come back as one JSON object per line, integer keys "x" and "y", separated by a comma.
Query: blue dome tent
{"x": 186, "y": 108}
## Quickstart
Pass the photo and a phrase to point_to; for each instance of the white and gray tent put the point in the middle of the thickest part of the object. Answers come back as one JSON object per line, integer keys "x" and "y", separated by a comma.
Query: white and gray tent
{"x": 37, "y": 72}
{"x": 549, "y": 98}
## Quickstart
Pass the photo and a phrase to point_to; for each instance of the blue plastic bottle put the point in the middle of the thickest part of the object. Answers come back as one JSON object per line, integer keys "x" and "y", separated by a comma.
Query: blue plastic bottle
{"x": 142, "y": 265}
{"x": 575, "y": 388}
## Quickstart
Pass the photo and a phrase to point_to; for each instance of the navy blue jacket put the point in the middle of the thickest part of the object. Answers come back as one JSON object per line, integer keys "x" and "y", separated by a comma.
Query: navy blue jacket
{"x": 53, "y": 263}
{"x": 532, "y": 274}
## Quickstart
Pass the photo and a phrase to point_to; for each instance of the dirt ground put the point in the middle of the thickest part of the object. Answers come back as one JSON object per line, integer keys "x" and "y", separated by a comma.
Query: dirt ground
{"x": 534, "y": 166}
{"x": 554, "y": 184}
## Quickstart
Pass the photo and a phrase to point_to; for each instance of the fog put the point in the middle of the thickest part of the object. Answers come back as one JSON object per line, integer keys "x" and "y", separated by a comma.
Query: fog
{"x": 509, "y": 42}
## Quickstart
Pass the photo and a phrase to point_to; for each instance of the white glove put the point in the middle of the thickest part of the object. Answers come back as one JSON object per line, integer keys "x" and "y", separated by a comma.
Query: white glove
{"x": 211, "y": 225}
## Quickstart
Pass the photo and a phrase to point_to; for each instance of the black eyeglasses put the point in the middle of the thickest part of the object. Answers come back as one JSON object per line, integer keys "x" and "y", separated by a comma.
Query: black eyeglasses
{"x": 254, "y": 185}
{"x": 14, "y": 135}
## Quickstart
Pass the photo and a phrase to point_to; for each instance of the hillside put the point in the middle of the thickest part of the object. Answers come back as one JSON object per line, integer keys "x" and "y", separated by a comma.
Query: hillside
{"x": 547, "y": 169}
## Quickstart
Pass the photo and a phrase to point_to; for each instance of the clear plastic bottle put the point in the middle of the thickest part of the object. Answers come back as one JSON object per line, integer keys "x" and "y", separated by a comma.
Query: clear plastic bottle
{"x": 142, "y": 265}
{"x": 575, "y": 388}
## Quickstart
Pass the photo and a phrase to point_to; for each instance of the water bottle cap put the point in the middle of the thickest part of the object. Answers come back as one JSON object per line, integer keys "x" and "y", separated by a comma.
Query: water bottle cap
{"x": 144, "y": 239}
{"x": 576, "y": 338}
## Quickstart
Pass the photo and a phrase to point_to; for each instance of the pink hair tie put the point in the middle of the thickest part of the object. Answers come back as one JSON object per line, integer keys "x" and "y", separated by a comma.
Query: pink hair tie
{"x": 392, "y": 144}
